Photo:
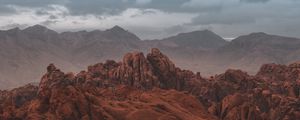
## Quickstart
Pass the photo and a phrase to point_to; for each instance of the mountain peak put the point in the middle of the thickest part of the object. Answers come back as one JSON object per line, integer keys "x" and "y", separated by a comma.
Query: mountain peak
{"x": 258, "y": 34}
{"x": 201, "y": 32}
{"x": 117, "y": 29}
{"x": 14, "y": 29}
{"x": 252, "y": 37}
{"x": 37, "y": 26}
{"x": 38, "y": 29}
{"x": 118, "y": 33}
{"x": 204, "y": 39}
{"x": 205, "y": 31}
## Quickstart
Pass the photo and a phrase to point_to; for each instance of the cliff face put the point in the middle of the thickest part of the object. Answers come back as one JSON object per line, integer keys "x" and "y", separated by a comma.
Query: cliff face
{"x": 152, "y": 87}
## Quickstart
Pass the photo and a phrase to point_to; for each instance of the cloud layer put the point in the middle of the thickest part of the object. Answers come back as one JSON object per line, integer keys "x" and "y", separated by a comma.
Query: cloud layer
{"x": 157, "y": 18}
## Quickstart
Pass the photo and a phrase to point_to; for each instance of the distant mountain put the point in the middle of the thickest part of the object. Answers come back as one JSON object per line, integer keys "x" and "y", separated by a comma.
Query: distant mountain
{"x": 250, "y": 51}
{"x": 198, "y": 39}
{"x": 98, "y": 45}
{"x": 23, "y": 52}
{"x": 188, "y": 47}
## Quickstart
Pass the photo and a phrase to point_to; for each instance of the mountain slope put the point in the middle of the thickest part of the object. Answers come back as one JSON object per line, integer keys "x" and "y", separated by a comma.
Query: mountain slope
{"x": 36, "y": 46}
{"x": 198, "y": 39}
{"x": 250, "y": 51}
{"x": 203, "y": 51}
{"x": 22, "y": 54}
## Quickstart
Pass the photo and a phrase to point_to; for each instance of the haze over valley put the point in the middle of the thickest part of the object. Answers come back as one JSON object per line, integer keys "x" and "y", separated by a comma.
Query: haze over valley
{"x": 200, "y": 51}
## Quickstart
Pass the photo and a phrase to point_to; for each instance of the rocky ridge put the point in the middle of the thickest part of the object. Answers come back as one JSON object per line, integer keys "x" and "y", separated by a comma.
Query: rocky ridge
{"x": 141, "y": 87}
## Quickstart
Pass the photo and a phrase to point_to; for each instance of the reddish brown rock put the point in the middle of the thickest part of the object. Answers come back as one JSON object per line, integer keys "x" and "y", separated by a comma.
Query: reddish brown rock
{"x": 237, "y": 107}
{"x": 275, "y": 72}
{"x": 127, "y": 103}
{"x": 168, "y": 75}
{"x": 153, "y": 88}
{"x": 281, "y": 78}
{"x": 136, "y": 71}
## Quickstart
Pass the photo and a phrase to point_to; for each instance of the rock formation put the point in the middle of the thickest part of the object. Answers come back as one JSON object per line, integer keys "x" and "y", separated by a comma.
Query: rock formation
{"x": 151, "y": 87}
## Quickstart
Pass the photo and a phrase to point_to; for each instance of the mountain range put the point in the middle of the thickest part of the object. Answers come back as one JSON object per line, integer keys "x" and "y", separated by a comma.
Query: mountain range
{"x": 25, "y": 52}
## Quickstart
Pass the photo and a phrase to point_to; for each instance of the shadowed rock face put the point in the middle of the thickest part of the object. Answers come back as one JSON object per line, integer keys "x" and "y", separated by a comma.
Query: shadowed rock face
{"x": 154, "y": 88}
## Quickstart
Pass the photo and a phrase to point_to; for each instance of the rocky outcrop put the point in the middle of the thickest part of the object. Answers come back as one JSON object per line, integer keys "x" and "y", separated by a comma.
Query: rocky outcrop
{"x": 136, "y": 71}
{"x": 152, "y": 87}
{"x": 155, "y": 70}
{"x": 259, "y": 105}
{"x": 275, "y": 72}
{"x": 168, "y": 75}
{"x": 60, "y": 97}
{"x": 12, "y": 102}
{"x": 281, "y": 78}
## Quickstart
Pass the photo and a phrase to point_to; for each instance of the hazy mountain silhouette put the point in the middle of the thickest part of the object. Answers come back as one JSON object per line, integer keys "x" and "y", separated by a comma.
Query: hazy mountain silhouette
{"x": 24, "y": 53}
{"x": 198, "y": 39}
{"x": 250, "y": 51}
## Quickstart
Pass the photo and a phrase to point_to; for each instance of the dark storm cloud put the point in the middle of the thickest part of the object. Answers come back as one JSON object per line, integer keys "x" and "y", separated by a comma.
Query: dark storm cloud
{"x": 6, "y": 5}
{"x": 4, "y": 10}
{"x": 79, "y": 7}
{"x": 236, "y": 16}
{"x": 96, "y": 6}
{"x": 178, "y": 6}
{"x": 117, "y": 6}
{"x": 31, "y": 3}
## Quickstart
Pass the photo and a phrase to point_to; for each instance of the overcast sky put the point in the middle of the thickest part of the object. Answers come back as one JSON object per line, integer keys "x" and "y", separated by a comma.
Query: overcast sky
{"x": 151, "y": 19}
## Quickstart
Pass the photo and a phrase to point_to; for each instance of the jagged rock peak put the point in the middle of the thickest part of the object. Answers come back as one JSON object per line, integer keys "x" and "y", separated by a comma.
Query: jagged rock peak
{"x": 270, "y": 68}
{"x": 51, "y": 67}
{"x": 155, "y": 51}
{"x": 157, "y": 56}
{"x": 132, "y": 54}
{"x": 295, "y": 65}
{"x": 235, "y": 75}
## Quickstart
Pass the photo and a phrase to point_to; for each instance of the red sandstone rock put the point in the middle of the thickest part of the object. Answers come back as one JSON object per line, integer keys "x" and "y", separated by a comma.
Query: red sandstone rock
{"x": 154, "y": 88}
{"x": 136, "y": 71}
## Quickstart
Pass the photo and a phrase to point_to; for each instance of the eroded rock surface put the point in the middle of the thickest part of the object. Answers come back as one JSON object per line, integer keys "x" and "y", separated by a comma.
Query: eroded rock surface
{"x": 152, "y": 87}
